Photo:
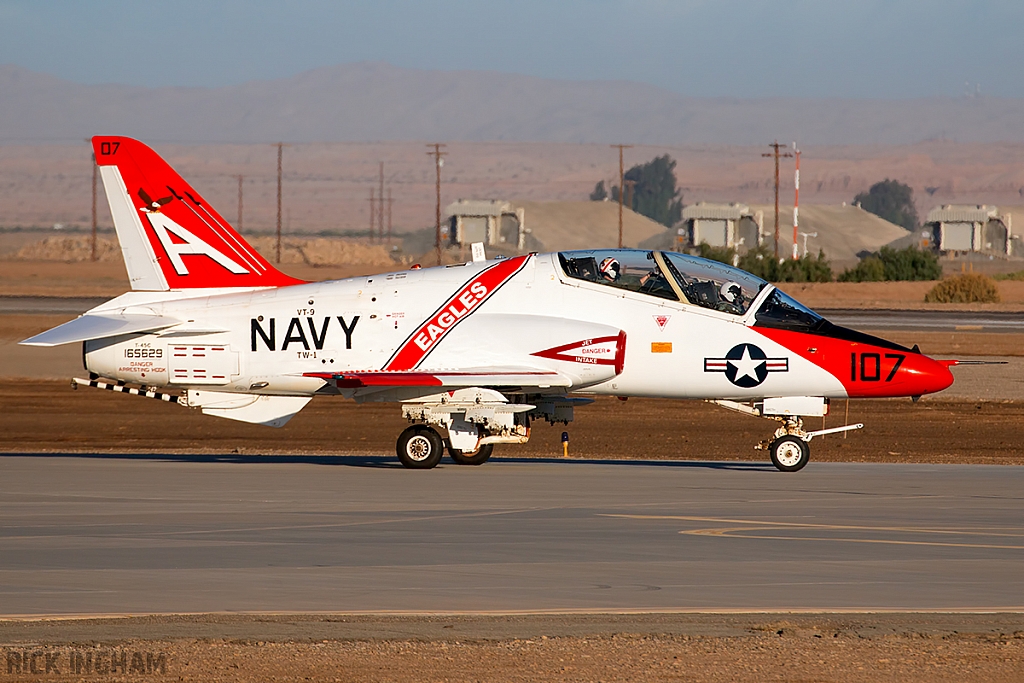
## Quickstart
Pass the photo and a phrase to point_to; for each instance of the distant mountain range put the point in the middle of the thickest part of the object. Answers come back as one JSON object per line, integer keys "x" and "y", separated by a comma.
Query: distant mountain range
{"x": 375, "y": 102}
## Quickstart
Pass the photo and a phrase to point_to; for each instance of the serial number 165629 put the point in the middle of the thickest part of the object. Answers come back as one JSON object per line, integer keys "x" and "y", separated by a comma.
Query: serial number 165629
{"x": 143, "y": 353}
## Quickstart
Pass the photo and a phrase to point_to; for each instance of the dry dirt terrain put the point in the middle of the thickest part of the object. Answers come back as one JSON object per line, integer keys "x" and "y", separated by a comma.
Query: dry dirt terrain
{"x": 47, "y": 416}
{"x": 903, "y": 648}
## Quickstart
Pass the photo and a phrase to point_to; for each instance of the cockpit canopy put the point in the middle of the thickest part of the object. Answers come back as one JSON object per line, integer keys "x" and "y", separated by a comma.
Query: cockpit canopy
{"x": 667, "y": 275}
{"x": 705, "y": 283}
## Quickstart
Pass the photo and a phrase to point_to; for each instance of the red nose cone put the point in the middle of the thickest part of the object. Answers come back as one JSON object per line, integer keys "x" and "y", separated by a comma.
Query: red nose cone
{"x": 924, "y": 375}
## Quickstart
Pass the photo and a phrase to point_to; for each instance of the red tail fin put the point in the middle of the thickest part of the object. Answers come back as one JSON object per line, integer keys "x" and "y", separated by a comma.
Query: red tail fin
{"x": 171, "y": 238}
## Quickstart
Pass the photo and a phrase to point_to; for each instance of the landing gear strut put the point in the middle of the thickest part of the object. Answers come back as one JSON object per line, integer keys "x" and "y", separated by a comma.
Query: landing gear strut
{"x": 469, "y": 421}
{"x": 789, "y": 448}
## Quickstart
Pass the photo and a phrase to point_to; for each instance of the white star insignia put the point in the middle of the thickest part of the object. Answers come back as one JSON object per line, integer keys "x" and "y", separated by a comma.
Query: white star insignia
{"x": 746, "y": 366}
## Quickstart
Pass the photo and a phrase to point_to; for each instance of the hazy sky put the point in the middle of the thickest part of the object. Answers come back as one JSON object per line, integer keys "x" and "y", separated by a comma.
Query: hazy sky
{"x": 735, "y": 48}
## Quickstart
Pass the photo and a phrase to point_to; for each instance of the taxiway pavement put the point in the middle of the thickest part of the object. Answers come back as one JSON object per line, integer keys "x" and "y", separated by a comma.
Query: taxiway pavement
{"x": 926, "y": 321}
{"x": 115, "y": 534}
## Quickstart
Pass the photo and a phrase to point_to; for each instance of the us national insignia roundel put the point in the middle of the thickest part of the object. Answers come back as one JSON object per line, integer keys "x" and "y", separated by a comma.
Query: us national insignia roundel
{"x": 746, "y": 365}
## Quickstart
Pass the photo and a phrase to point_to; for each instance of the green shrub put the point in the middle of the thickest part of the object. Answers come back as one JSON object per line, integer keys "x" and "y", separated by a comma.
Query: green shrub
{"x": 970, "y": 288}
{"x": 910, "y": 264}
{"x": 870, "y": 269}
{"x": 720, "y": 254}
{"x": 896, "y": 264}
{"x": 762, "y": 263}
{"x": 1016, "y": 275}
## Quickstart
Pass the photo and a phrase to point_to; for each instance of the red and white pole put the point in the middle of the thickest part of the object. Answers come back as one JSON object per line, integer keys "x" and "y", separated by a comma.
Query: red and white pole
{"x": 796, "y": 203}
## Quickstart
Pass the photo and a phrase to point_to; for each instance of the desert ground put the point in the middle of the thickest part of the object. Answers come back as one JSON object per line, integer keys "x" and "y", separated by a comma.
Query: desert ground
{"x": 897, "y": 648}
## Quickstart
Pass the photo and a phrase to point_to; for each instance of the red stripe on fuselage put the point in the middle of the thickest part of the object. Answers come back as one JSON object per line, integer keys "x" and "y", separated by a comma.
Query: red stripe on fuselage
{"x": 468, "y": 299}
{"x": 865, "y": 370}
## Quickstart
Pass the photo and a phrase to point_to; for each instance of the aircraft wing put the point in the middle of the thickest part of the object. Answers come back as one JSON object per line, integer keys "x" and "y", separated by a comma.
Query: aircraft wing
{"x": 471, "y": 377}
{"x": 97, "y": 326}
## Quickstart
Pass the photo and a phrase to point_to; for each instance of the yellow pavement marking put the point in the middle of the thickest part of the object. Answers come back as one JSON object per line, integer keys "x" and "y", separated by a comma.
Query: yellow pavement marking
{"x": 751, "y": 525}
{"x": 729, "y": 533}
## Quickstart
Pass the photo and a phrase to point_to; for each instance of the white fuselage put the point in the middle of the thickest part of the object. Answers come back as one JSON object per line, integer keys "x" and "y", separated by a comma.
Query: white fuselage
{"x": 265, "y": 340}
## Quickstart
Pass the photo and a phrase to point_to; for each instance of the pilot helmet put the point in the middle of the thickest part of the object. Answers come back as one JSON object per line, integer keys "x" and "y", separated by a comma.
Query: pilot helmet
{"x": 731, "y": 292}
{"x": 610, "y": 269}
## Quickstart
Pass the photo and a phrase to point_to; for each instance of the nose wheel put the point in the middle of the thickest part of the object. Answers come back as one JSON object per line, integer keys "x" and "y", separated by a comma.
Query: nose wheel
{"x": 790, "y": 448}
{"x": 789, "y": 453}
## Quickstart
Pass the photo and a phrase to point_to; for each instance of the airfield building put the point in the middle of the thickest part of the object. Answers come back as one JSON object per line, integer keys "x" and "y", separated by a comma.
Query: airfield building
{"x": 721, "y": 225}
{"x": 491, "y": 221}
{"x": 973, "y": 228}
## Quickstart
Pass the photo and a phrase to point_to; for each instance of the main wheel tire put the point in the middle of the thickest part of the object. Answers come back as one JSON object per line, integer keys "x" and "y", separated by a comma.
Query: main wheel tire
{"x": 478, "y": 458}
{"x": 420, "y": 448}
{"x": 789, "y": 453}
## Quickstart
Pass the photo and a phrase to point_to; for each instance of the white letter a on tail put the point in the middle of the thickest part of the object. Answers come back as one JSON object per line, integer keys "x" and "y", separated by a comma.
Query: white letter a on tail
{"x": 193, "y": 245}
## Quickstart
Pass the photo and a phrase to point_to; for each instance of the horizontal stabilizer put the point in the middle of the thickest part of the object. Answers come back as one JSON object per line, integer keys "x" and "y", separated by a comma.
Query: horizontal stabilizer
{"x": 98, "y": 326}
{"x": 498, "y": 377}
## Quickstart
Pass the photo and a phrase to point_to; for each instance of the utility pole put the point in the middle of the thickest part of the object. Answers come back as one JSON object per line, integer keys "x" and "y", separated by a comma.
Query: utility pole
{"x": 630, "y": 185}
{"x": 280, "y": 147}
{"x": 438, "y": 163}
{"x": 239, "y": 223}
{"x": 373, "y": 209}
{"x": 390, "y": 200}
{"x": 380, "y": 207}
{"x": 796, "y": 204}
{"x": 621, "y": 188}
{"x": 775, "y": 153}
{"x": 95, "y": 168}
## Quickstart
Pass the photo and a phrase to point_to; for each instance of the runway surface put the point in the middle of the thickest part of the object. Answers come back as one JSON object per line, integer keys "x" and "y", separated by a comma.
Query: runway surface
{"x": 927, "y": 321}
{"x": 48, "y": 304}
{"x": 142, "y": 534}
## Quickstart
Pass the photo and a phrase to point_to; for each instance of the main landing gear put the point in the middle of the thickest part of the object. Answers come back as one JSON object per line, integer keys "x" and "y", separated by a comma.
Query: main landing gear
{"x": 419, "y": 447}
{"x": 789, "y": 448}
{"x": 468, "y": 422}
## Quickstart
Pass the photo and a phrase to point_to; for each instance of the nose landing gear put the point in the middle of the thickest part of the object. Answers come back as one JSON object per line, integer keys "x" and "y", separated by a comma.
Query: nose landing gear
{"x": 789, "y": 453}
{"x": 789, "y": 448}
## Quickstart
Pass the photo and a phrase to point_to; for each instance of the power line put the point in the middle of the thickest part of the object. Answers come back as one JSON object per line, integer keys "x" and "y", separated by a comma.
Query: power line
{"x": 380, "y": 207}
{"x": 95, "y": 168}
{"x": 280, "y": 147}
{"x": 775, "y": 153}
{"x": 390, "y": 200}
{"x": 796, "y": 204}
{"x": 373, "y": 207}
{"x": 438, "y": 163}
{"x": 621, "y": 187}
{"x": 240, "y": 178}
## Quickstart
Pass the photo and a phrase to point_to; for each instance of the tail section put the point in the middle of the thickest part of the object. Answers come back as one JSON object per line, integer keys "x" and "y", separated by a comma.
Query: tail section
{"x": 171, "y": 237}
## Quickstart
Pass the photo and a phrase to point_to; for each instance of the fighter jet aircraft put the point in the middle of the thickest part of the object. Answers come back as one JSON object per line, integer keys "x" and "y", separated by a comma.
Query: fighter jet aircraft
{"x": 474, "y": 352}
